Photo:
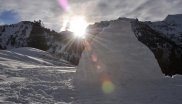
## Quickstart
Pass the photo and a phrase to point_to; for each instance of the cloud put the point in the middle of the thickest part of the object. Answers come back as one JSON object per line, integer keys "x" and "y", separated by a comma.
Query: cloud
{"x": 143, "y": 9}
{"x": 50, "y": 12}
{"x": 156, "y": 9}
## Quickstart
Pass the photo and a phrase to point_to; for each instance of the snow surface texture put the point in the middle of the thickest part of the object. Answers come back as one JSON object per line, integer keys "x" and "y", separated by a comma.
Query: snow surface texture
{"x": 32, "y": 76}
{"x": 118, "y": 69}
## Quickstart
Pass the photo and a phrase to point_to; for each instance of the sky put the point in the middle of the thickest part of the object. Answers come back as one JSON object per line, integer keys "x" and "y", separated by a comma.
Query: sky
{"x": 52, "y": 12}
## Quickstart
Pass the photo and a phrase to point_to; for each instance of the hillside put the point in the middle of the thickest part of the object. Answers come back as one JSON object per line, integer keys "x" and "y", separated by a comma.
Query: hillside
{"x": 33, "y": 34}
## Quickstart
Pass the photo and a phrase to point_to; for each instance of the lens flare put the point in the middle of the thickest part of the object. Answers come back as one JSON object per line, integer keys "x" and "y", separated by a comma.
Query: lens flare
{"x": 78, "y": 25}
{"x": 94, "y": 58}
{"x": 87, "y": 46}
{"x": 107, "y": 86}
{"x": 98, "y": 67}
{"x": 64, "y": 4}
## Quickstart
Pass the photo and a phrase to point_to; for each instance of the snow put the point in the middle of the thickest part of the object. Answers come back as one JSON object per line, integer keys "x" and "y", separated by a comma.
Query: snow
{"x": 120, "y": 70}
{"x": 28, "y": 57}
{"x": 5, "y": 79}
{"x": 115, "y": 69}
{"x": 170, "y": 27}
{"x": 177, "y": 19}
{"x": 21, "y": 30}
{"x": 33, "y": 34}
{"x": 29, "y": 75}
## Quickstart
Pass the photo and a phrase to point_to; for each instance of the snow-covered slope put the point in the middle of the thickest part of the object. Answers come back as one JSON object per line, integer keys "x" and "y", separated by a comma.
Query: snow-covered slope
{"x": 28, "y": 57}
{"x": 33, "y": 34}
{"x": 116, "y": 68}
{"x": 33, "y": 76}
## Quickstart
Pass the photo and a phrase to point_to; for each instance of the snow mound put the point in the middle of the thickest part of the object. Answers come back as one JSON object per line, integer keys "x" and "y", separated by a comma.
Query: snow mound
{"x": 118, "y": 69}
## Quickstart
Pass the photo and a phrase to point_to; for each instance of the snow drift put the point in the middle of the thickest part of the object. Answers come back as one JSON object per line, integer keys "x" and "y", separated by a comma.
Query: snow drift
{"x": 117, "y": 68}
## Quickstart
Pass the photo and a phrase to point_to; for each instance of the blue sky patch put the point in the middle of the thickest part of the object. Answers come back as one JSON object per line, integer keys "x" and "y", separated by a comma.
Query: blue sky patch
{"x": 9, "y": 17}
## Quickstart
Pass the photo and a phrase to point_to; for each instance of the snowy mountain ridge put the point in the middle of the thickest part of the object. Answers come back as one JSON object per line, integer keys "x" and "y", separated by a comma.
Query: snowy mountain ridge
{"x": 171, "y": 27}
{"x": 13, "y": 36}
{"x": 174, "y": 19}
{"x": 33, "y": 34}
{"x": 163, "y": 38}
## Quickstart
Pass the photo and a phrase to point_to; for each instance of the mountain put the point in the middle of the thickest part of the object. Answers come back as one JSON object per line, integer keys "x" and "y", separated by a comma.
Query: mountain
{"x": 120, "y": 66}
{"x": 164, "y": 39}
{"x": 121, "y": 63}
{"x": 34, "y": 34}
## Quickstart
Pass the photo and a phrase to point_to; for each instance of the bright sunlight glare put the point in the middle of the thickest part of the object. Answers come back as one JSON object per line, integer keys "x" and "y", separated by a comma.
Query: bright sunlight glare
{"x": 77, "y": 25}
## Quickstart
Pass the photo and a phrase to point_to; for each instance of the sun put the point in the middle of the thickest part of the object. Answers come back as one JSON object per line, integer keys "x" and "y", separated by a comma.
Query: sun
{"x": 78, "y": 25}
{"x": 75, "y": 24}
